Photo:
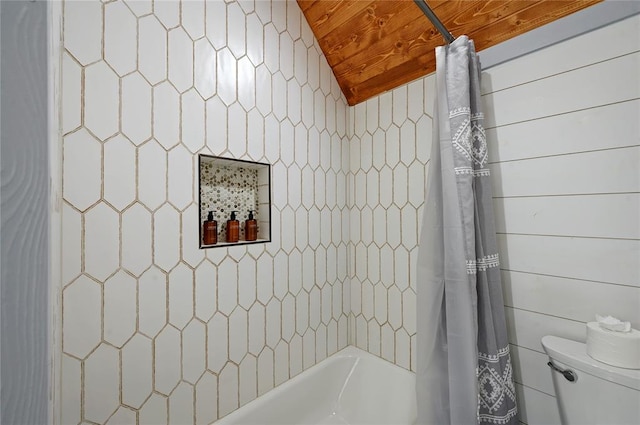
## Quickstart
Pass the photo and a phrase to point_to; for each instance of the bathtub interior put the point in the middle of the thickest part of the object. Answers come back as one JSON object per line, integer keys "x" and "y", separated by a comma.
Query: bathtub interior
{"x": 351, "y": 387}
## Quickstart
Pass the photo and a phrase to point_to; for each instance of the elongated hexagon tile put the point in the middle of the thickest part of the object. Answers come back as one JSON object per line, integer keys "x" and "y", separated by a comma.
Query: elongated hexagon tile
{"x": 288, "y": 317}
{"x": 119, "y": 308}
{"x": 247, "y": 83}
{"x": 235, "y": 30}
{"x": 281, "y": 361}
{"x": 70, "y": 390}
{"x": 279, "y": 94}
{"x": 237, "y": 129}
{"x": 256, "y": 329}
{"x": 137, "y": 372}
{"x": 166, "y": 115}
{"x": 181, "y": 405}
{"x": 101, "y": 241}
{"x": 136, "y": 239}
{"x": 193, "y": 18}
{"x": 154, "y": 411}
{"x": 81, "y": 317}
{"x": 168, "y": 11}
{"x": 206, "y": 397}
{"x": 167, "y": 360}
{"x": 255, "y": 135}
{"x": 393, "y": 236}
{"x": 71, "y": 243}
{"x": 248, "y": 380}
{"x": 81, "y": 179}
{"x": 166, "y": 231}
{"x": 280, "y": 278}
{"x": 255, "y": 43}
{"x": 227, "y": 286}
{"x": 194, "y": 361}
{"x": 71, "y": 93}
{"x": 263, "y": 96}
{"x": 193, "y": 121}
{"x": 295, "y": 355}
{"x": 136, "y": 108}
{"x": 205, "y": 283}
{"x": 83, "y": 30}
{"x": 216, "y": 125}
{"x": 152, "y": 174}
{"x": 308, "y": 349}
{"x": 302, "y": 312}
{"x": 101, "y": 100}
{"x": 409, "y": 311}
{"x": 119, "y": 172}
{"x": 152, "y": 49}
{"x": 265, "y": 271}
{"x": 120, "y": 34}
{"x": 273, "y": 322}
{"x": 228, "y": 399}
{"x": 152, "y": 301}
{"x": 395, "y": 308}
{"x": 380, "y": 307}
{"x": 101, "y": 384}
{"x": 180, "y": 177}
{"x": 216, "y": 28}
{"x": 123, "y": 416}
{"x": 247, "y": 284}
{"x": 205, "y": 68}
{"x": 180, "y": 296}
{"x": 314, "y": 308}
{"x": 191, "y": 253}
{"x": 217, "y": 342}
{"x": 238, "y": 330}
{"x": 265, "y": 371}
{"x": 226, "y": 76}
{"x": 180, "y": 59}
{"x": 271, "y": 48}
{"x": 286, "y": 55}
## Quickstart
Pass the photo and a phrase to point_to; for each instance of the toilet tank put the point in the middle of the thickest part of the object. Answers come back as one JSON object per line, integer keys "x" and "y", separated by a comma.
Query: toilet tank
{"x": 600, "y": 394}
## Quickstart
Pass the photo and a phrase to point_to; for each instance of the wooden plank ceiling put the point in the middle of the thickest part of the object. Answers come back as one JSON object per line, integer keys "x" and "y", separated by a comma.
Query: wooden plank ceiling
{"x": 375, "y": 46}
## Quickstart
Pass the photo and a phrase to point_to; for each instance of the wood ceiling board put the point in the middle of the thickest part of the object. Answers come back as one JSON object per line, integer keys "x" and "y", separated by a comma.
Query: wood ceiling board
{"x": 325, "y": 16}
{"x": 375, "y": 46}
{"x": 525, "y": 20}
{"x": 367, "y": 28}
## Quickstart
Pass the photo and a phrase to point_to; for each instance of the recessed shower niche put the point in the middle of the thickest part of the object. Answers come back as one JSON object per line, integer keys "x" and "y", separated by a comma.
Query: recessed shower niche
{"x": 234, "y": 186}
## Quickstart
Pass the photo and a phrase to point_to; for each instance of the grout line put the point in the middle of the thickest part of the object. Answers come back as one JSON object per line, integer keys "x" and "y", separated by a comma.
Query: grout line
{"x": 563, "y": 72}
{"x": 562, "y": 113}
{"x": 546, "y": 314}
{"x": 567, "y": 236}
{"x": 566, "y": 195}
{"x": 571, "y": 278}
{"x": 564, "y": 154}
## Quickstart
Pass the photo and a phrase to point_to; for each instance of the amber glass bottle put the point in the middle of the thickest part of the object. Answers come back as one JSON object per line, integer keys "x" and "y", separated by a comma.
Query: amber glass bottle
{"x": 210, "y": 230}
{"x": 233, "y": 228}
{"x": 251, "y": 228}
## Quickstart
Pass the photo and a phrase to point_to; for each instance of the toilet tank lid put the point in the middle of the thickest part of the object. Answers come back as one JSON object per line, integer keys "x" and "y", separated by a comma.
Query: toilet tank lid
{"x": 574, "y": 354}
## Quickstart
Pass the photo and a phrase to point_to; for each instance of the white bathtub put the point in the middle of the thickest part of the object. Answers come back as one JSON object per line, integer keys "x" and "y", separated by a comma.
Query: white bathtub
{"x": 350, "y": 387}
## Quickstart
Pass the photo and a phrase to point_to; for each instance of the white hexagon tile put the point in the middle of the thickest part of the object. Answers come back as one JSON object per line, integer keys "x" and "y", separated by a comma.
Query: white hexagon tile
{"x": 155, "y": 330}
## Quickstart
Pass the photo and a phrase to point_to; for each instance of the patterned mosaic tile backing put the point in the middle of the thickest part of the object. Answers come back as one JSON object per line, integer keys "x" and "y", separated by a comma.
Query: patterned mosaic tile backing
{"x": 224, "y": 189}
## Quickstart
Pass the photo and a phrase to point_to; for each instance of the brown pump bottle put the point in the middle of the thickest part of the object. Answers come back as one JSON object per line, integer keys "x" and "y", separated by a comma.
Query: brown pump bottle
{"x": 251, "y": 228}
{"x": 233, "y": 228}
{"x": 210, "y": 230}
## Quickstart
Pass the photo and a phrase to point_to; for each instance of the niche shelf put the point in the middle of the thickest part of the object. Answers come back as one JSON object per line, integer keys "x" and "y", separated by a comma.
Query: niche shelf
{"x": 234, "y": 185}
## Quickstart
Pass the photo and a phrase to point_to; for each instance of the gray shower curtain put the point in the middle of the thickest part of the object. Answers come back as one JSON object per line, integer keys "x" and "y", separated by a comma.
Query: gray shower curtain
{"x": 464, "y": 373}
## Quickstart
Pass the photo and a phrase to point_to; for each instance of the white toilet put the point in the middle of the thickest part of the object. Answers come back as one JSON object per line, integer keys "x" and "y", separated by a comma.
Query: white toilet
{"x": 590, "y": 392}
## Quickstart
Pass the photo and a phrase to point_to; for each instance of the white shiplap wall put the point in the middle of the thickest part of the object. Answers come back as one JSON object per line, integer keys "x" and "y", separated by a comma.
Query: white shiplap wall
{"x": 564, "y": 134}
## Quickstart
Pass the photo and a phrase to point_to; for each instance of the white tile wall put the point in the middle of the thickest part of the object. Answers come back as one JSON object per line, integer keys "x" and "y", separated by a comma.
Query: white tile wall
{"x": 565, "y": 151}
{"x": 146, "y": 85}
{"x": 155, "y": 330}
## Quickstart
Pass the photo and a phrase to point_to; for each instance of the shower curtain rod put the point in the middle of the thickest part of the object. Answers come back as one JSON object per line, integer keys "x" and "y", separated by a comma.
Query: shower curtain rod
{"x": 422, "y": 4}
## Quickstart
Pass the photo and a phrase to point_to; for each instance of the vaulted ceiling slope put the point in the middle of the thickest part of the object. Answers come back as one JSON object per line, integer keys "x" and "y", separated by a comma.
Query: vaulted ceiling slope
{"x": 375, "y": 46}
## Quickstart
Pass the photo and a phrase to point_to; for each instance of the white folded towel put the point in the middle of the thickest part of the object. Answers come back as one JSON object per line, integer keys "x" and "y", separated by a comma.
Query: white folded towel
{"x": 610, "y": 323}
